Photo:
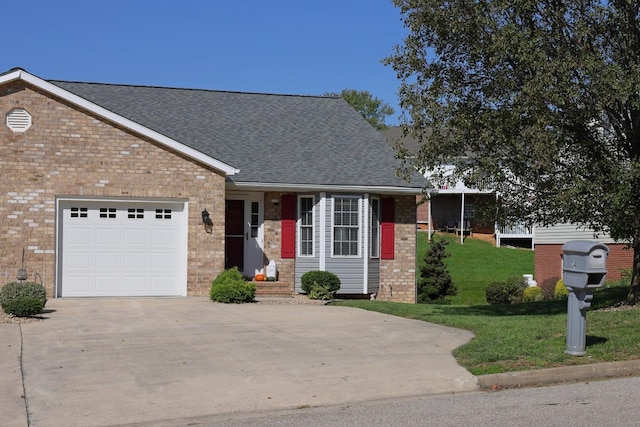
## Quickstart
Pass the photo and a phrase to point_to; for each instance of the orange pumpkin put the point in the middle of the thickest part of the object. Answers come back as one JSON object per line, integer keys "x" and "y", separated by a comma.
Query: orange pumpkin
{"x": 259, "y": 278}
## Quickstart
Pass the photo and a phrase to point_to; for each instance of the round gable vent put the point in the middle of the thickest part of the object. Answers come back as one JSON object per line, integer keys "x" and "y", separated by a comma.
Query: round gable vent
{"x": 19, "y": 120}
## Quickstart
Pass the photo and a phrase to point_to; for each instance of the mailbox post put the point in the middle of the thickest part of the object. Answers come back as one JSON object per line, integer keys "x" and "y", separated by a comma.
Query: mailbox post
{"x": 584, "y": 268}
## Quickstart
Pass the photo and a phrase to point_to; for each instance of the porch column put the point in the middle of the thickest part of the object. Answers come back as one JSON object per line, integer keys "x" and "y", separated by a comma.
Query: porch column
{"x": 461, "y": 227}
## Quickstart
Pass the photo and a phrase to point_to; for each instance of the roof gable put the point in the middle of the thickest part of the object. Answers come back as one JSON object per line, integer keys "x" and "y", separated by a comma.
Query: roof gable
{"x": 19, "y": 74}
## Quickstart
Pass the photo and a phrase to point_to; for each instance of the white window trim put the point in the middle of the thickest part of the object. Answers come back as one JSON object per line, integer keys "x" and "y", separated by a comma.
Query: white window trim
{"x": 299, "y": 227}
{"x": 322, "y": 241}
{"x": 333, "y": 225}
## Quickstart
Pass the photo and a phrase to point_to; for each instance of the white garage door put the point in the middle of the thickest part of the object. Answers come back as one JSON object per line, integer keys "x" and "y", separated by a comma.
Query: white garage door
{"x": 110, "y": 248}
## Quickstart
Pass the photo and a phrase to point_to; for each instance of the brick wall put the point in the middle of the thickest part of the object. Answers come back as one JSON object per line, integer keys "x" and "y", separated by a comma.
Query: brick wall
{"x": 548, "y": 262}
{"x": 422, "y": 212}
{"x": 69, "y": 153}
{"x": 398, "y": 275}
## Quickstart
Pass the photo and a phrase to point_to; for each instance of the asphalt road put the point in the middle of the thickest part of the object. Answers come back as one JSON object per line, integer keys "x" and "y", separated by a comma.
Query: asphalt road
{"x": 598, "y": 403}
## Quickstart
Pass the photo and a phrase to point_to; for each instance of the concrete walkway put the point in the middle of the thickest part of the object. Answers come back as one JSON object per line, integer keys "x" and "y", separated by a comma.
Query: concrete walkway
{"x": 114, "y": 361}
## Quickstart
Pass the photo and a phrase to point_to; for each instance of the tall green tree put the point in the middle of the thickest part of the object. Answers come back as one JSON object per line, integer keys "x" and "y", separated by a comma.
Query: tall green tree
{"x": 543, "y": 99}
{"x": 371, "y": 108}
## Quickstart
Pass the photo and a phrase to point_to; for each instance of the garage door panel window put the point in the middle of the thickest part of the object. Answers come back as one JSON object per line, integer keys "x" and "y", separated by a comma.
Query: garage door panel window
{"x": 107, "y": 213}
{"x": 76, "y": 212}
{"x": 163, "y": 213}
{"x": 134, "y": 213}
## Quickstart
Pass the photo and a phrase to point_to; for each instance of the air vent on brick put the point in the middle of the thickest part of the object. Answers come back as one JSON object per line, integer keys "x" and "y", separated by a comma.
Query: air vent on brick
{"x": 19, "y": 120}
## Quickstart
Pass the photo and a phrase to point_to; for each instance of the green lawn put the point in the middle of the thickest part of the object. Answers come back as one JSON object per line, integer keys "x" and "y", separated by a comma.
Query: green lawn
{"x": 476, "y": 264}
{"x": 519, "y": 336}
{"x": 528, "y": 336}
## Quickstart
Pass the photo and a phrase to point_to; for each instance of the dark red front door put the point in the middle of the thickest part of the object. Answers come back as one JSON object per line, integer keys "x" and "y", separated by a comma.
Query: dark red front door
{"x": 234, "y": 234}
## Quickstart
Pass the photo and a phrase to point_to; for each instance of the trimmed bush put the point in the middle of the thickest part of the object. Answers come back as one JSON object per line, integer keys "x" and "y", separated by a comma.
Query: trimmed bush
{"x": 508, "y": 292}
{"x": 230, "y": 287}
{"x": 323, "y": 279}
{"x": 532, "y": 293}
{"x": 23, "y": 299}
{"x": 561, "y": 290}
{"x": 434, "y": 283}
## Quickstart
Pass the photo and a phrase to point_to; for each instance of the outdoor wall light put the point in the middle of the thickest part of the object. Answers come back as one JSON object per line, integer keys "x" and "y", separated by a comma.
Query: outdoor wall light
{"x": 206, "y": 220}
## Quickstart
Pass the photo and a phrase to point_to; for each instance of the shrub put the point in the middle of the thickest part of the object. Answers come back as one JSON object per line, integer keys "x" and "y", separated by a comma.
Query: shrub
{"x": 23, "y": 299}
{"x": 532, "y": 293}
{"x": 321, "y": 292}
{"x": 509, "y": 292}
{"x": 324, "y": 279}
{"x": 230, "y": 287}
{"x": 548, "y": 287}
{"x": 561, "y": 290}
{"x": 434, "y": 283}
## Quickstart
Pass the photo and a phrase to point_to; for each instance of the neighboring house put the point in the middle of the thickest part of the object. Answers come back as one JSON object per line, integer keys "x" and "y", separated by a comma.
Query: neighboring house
{"x": 548, "y": 252}
{"x": 453, "y": 206}
{"x": 107, "y": 190}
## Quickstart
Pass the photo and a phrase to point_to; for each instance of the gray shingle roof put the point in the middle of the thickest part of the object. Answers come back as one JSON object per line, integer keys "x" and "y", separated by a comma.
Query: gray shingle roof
{"x": 281, "y": 139}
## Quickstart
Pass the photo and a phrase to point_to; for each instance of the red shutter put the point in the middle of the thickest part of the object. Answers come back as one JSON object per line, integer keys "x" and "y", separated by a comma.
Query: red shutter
{"x": 387, "y": 228}
{"x": 288, "y": 226}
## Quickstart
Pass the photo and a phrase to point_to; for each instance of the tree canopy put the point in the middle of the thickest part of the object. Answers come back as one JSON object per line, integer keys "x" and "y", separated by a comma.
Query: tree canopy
{"x": 372, "y": 109}
{"x": 538, "y": 99}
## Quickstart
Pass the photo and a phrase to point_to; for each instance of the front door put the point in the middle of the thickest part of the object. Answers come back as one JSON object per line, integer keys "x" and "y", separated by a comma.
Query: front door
{"x": 244, "y": 232}
{"x": 234, "y": 234}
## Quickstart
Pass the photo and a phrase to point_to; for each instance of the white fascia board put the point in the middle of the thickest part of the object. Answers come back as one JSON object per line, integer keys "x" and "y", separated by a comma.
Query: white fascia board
{"x": 113, "y": 117}
{"x": 465, "y": 191}
{"x": 265, "y": 186}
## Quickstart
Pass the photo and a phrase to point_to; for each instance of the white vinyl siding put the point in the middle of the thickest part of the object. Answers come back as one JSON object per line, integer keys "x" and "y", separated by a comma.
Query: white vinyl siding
{"x": 563, "y": 233}
{"x": 358, "y": 274}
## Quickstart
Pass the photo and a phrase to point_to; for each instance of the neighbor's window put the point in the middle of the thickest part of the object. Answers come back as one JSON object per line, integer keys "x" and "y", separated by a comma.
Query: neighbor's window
{"x": 374, "y": 232}
{"x": 306, "y": 226}
{"x": 346, "y": 226}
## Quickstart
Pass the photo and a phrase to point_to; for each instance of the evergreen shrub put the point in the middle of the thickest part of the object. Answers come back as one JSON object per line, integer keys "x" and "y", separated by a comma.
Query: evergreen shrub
{"x": 23, "y": 299}
{"x": 435, "y": 284}
{"x": 510, "y": 291}
{"x": 532, "y": 293}
{"x": 561, "y": 290}
{"x": 324, "y": 279}
{"x": 231, "y": 287}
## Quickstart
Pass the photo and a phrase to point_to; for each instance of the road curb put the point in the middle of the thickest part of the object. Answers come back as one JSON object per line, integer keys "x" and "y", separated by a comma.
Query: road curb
{"x": 564, "y": 374}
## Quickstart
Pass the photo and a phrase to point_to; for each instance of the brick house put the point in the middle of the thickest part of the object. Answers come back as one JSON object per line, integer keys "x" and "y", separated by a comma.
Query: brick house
{"x": 105, "y": 190}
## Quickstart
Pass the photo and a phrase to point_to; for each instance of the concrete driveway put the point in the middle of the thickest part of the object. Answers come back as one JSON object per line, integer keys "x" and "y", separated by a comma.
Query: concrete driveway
{"x": 114, "y": 361}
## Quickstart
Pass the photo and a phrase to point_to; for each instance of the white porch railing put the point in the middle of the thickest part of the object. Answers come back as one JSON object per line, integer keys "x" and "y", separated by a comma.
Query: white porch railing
{"x": 514, "y": 231}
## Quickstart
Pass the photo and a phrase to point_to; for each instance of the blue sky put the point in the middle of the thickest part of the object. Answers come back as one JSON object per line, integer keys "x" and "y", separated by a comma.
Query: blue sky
{"x": 305, "y": 47}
